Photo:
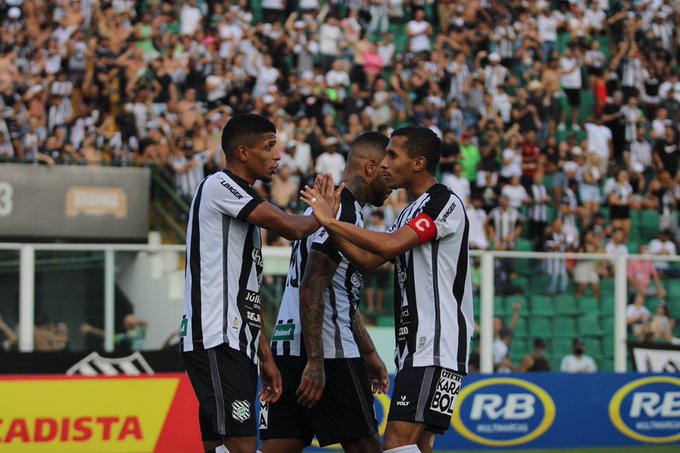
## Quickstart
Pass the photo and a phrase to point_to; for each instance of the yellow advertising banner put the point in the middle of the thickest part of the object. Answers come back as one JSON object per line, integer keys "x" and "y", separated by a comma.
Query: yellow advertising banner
{"x": 84, "y": 415}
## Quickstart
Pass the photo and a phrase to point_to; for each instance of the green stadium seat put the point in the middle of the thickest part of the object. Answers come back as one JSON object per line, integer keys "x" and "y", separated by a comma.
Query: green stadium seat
{"x": 521, "y": 330}
{"x": 605, "y": 364}
{"x": 541, "y": 306}
{"x": 607, "y": 305}
{"x": 565, "y": 327}
{"x": 607, "y": 323}
{"x": 589, "y": 325}
{"x": 524, "y": 245}
{"x": 608, "y": 345}
{"x": 566, "y": 305}
{"x": 499, "y": 306}
{"x": 672, "y": 287}
{"x": 589, "y": 305}
{"x": 540, "y": 327}
{"x": 561, "y": 347}
{"x": 607, "y": 286}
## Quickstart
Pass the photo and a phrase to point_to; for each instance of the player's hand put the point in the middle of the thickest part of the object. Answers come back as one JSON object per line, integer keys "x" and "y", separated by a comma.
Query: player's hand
{"x": 377, "y": 373}
{"x": 326, "y": 188}
{"x": 271, "y": 381}
{"x": 312, "y": 383}
{"x": 323, "y": 211}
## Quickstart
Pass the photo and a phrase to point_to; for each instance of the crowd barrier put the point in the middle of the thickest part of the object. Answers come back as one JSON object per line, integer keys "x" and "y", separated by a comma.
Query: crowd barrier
{"x": 117, "y": 405}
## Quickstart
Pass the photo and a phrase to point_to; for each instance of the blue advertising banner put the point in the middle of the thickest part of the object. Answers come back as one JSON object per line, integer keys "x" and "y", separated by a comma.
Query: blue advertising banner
{"x": 551, "y": 410}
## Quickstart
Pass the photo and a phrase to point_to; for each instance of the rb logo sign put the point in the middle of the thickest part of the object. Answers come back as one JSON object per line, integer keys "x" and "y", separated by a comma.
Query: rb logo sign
{"x": 503, "y": 412}
{"x": 648, "y": 410}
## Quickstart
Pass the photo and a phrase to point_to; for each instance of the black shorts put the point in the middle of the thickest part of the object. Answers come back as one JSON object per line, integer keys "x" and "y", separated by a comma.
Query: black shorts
{"x": 573, "y": 96}
{"x": 619, "y": 212}
{"x": 225, "y": 383}
{"x": 425, "y": 395}
{"x": 345, "y": 412}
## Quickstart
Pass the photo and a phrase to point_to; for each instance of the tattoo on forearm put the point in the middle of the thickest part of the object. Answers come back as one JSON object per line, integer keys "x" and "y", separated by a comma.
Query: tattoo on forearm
{"x": 322, "y": 268}
{"x": 361, "y": 335}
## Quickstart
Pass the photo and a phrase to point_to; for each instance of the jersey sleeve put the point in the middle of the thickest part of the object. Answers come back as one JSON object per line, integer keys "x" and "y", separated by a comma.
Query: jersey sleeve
{"x": 446, "y": 210}
{"x": 232, "y": 197}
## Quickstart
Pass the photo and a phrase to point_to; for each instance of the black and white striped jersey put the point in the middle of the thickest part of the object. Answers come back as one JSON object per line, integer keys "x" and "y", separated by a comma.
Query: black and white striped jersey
{"x": 341, "y": 297}
{"x": 433, "y": 289}
{"x": 223, "y": 267}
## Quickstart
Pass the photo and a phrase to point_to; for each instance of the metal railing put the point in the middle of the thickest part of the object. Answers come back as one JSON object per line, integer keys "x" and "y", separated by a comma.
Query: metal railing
{"x": 276, "y": 261}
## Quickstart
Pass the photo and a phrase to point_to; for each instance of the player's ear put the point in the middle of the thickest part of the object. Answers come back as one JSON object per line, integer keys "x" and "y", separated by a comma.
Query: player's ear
{"x": 241, "y": 153}
{"x": 371, "y": 167}
{"x": 419, "y": 164}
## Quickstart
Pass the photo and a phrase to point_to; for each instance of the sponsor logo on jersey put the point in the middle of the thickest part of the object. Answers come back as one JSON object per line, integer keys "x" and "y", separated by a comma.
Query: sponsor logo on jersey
{"x": 284, "y": 332}
{"x": 240, "y": 410}
{"x": 231, "y": 189}
{"x": 503, "y": 412}
{"x": 648, "y": 409}
{"x": 446, "y": 393}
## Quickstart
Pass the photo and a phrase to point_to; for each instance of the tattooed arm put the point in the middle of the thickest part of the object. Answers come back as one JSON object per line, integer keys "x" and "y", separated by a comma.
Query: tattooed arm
{"x": 320, "y": 270}
{"x": 376, "y": 367}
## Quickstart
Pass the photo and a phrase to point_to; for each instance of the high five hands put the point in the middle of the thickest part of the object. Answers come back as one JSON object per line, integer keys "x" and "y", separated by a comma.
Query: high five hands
{"x": 323, "y": 198}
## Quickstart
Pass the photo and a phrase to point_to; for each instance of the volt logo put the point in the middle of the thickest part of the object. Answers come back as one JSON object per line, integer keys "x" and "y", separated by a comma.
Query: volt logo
{"x": 648, "y": 409}
{"x": 503, "y": 412}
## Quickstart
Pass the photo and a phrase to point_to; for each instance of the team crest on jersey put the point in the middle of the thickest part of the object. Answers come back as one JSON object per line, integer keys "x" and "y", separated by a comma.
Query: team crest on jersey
{"x": 240, "y": 410}
{"x": 446, "y": 393}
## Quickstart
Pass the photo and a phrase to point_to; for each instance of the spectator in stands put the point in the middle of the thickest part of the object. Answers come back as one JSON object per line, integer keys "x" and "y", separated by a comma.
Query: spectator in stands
{"x": 663, "y": 195}
{"x": 620, "y": 201}
{"x": 8, "y": 339}
{"x": 578, "y": 361}
{"x": 504, "y": 225}
{"x": 538, "y": 202}
{"x": 664, "y": 246}
{"x": 637, "y": 316}
{"x": 131, "y": 339}
{"x": 661, "y": 326}
{"x": 667, "y": 153}
{"x": 51, "y": 336}
{"x": 331, "y": 161}
{"x": 536, "y": 360}
{"x": 587, "y": 271}
{"x": 556, "y": 268}
{"x": 641, "y": 273}
{"x": 501, "y": 351}
{"x": 284, "y": 191}
{"x": 615, "y": 247}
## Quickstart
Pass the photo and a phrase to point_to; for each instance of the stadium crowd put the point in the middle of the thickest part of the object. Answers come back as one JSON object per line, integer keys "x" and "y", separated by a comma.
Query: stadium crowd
{"x": 558, "y": 118}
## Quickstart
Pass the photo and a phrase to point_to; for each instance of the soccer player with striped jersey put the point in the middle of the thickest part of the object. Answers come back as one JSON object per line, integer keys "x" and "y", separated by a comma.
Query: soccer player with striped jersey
{"x": 221, "y": 334}
{"x": 433, "y": 291}
{"x": 325, "y": 355}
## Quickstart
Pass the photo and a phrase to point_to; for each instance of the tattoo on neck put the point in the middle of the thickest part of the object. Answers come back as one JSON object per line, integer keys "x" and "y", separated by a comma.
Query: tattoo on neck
{"x": 360, "y": 189}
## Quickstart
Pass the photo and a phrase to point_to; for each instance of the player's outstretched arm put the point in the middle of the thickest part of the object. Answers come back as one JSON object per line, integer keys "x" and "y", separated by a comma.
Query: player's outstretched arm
{"x": 321, "y": 270}
{"x": 290, "y": 226}
{"x": 269, "y": 373}
{"x": 377, "y": 372}
{"x": 385, "y": 245}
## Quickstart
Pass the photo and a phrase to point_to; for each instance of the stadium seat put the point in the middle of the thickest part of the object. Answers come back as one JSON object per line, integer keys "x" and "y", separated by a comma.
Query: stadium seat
{"x": 607, "y": 306}
{"x": 540, "y": 327}
{"x": 589, "y": 325}
{"x": 521, "y": 330}
{"x": 561, "y": 347}
{"x": 499, "y": 308}
{"x": 566, "y": 305}
{"x": 607, "y": 323}
{"x": 589, "y": 305}
{"x": 541, "y": 306}
{"x": 565, "y": 327}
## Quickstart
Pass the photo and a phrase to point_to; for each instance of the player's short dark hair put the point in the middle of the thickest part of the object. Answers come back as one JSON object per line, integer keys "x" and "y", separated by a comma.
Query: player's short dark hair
{"x": 244, "y": 130}
{"x": 421, "y": 142}
{"x": 374, "y": 140}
